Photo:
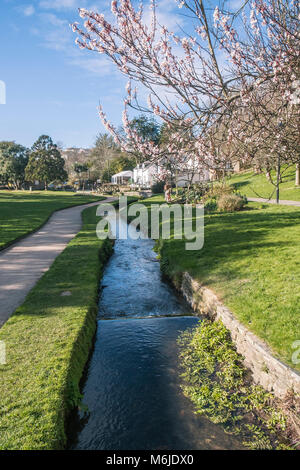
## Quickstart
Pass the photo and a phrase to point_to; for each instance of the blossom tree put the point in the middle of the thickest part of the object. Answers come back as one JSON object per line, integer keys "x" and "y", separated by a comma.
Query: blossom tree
{"x": 182, "y": 74}
{"x": 202, "y": 81}
{"x": 267, "y": 62}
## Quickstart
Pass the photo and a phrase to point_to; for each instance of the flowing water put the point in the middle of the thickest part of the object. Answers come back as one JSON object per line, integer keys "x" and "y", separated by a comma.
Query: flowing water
{"x": 132, "y": 387}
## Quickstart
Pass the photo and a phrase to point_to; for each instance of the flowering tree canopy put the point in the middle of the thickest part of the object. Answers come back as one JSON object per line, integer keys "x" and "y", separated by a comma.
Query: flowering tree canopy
{"x": 216, "y": 87}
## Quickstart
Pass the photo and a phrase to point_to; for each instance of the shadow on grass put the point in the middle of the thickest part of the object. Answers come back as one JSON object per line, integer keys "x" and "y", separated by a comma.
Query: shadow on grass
{"x": 232, "y": 238}
{"x": 240, "y": 184}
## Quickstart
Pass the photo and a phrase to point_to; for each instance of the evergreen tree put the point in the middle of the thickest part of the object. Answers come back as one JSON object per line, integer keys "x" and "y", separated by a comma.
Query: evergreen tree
{"x": 45, "y": 162}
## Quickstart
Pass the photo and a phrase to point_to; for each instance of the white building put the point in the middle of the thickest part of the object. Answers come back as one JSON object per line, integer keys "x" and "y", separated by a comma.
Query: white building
{"x": 146, "y": 174}
{"x": 191, "y": 174}
{"x": 124, "y": 177}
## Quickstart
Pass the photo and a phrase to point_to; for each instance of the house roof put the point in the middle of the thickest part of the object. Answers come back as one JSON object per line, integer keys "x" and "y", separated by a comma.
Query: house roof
{"x": 123, "y": 173}
{"x": 145, "y": 165}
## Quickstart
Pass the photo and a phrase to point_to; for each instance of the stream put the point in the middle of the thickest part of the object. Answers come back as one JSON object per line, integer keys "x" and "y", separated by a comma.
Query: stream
{"x": 132, "y": 382}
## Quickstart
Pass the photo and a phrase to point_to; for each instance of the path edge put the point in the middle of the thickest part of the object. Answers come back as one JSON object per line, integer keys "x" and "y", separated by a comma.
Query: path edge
{"x": 31, "y": 232}
{"x": 75, "y": 362}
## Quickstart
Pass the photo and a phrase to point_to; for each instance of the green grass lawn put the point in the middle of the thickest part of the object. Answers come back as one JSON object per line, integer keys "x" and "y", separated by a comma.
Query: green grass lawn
{"x": 22, "y": 212}
{"x": 48, "y": 340}
{"x": 251, "y": 259}
{"x": 252, "y": 185}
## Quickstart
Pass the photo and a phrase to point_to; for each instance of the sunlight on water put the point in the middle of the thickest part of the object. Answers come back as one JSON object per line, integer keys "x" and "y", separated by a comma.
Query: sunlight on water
{"x": 132, "y": 389}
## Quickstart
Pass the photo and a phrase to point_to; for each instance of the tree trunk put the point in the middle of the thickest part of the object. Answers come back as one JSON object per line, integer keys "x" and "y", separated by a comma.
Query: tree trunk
{"x": 278, "y": 179}
{"x": 297, "y": 179}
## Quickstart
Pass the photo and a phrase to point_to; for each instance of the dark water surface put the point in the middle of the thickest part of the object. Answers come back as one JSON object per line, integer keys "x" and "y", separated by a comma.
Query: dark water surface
{"x": 132, "y": 389}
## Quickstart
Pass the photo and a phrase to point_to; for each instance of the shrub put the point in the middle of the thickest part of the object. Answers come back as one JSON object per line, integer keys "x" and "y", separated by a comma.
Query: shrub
{"x": 195, "y": 193}
{"x": 158, "y": 187}
{"x": 210, "y": 205}
{"x": 218, "y": 190}
{"x": 231, "y": 202}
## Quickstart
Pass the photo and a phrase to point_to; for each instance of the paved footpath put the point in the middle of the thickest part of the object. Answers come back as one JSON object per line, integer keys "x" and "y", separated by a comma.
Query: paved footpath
{"x": 22, "y": 264}
{"x": 273, "y": 201}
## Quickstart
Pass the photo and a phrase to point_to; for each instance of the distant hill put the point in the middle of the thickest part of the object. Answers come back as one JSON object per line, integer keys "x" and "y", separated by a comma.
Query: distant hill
{"x": 74, "y": 155}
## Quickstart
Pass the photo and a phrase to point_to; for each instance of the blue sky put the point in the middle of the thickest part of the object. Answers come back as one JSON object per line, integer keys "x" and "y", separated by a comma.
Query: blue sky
{"x": 53, "y": 87}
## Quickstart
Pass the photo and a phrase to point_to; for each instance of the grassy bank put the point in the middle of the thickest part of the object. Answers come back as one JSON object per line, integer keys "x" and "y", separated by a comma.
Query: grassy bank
{"x": 22, "y": 212}
{"x": 252, "y": 185}
{"x": 48, "y": 341}
{"x": 251, "y": 259}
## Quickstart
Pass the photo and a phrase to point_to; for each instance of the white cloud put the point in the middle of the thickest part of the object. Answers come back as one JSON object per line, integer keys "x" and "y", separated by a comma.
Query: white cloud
{"x": 55, "y": 33}
{"x": 26, "y": 10}
{"x": 51, "y": 19}
{"x": 29, "y": 11}
{"x": 99, "y": 66}
{"x": 168, "y": 15}
{"x": 236, "y": 4}
{"x": 59, "y": 4}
